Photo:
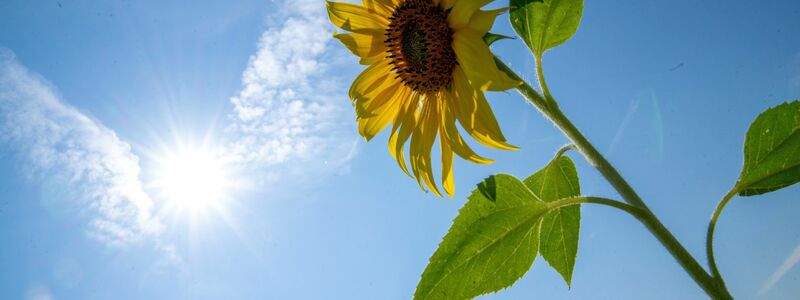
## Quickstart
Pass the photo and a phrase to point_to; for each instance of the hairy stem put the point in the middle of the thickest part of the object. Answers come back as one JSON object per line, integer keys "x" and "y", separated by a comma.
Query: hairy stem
{"x": 553, "y": 113}
{"x": 710, "y": 237}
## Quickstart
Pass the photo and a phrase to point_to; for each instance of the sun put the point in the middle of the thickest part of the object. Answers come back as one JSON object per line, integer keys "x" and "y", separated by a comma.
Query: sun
{"x": 193, "y": 179}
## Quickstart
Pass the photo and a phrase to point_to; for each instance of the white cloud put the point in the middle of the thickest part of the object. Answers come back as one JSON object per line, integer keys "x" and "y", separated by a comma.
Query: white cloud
{"x": 289, "y": 118}
{"x": 287, "y": 108}
{"x": 787, "y": 265}
{"x": 55, "y": 139}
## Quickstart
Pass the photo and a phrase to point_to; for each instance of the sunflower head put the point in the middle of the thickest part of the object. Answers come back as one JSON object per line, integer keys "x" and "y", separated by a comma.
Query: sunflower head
{"x": 428, "y": 67}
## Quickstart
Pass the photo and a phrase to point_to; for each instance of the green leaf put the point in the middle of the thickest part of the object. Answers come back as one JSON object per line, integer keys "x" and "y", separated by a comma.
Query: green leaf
{"x": 490, "y": 38}
{"x": 492, "y": 243}
{"x": 544, "y": 24}
{"x": 560, "y": 227}
{"x": 772, "y": 151}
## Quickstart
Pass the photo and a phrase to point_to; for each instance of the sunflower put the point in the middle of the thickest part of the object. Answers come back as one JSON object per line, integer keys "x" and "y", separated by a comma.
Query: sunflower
{"x": 428, "y": 67}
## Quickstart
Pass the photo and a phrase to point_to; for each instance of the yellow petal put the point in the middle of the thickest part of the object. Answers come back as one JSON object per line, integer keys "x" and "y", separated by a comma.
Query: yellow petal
{"x": 363, "y": 45}
{"x": 421, "y": 142}
{"x": 416, "y": 139}
{"x": 475, "y": 114}
{"x": 482, "y": 21}
{"x": 447, "y": 168}
{"x": 371, "y": 60}
{"x": 373, "y": 80}
{"x": 384, "y": 8}
{"x": 383, "y": 98}
{"x": 368, "y": 106}
{"x": 409, "y": 105}
{"x": 451, "y": 136}
{"x": 462, "y": 12}
{"x": 371, "y": 126}
{"x": 406, "y": 122}
{"x": 354, "y": 18}
{"x": 477, "y": 61}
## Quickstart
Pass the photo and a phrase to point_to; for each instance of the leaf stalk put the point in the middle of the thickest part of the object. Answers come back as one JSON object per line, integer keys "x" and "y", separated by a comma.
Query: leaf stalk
{"x": 712, "y": 225}
{"x": 595, "y": 200}
{"x": 564, "y": 149}
{"x": 543, "y": 83}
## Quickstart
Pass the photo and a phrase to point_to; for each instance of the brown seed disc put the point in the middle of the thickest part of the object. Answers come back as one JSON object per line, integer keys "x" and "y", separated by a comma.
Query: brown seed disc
{"x": 420, "y": 44}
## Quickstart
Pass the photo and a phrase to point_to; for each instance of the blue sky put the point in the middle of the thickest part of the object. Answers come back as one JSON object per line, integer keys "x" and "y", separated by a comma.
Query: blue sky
{"x": 95, "y": 96}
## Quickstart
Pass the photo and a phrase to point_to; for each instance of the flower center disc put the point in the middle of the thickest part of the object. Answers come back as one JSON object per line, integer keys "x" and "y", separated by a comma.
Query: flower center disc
{"x": 420, "y": 44}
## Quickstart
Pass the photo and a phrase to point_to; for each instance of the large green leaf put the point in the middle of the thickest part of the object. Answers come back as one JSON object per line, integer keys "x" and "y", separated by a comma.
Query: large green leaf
{"x": 544, "y": 24}
{"x": 492, "y": 243}
{"x": 772, "y": 151}
{"x": 560, "y": 227}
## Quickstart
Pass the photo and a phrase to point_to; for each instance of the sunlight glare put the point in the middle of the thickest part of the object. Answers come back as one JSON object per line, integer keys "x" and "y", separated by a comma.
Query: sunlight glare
{"x": 193, "y": 180}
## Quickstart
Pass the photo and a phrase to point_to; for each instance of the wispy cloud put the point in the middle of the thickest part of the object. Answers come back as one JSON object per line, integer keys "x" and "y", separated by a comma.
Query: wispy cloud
{"x": 52, "y": 137}
{"x": 787, "y": 265}
{"x": 289, "y": 116}
{"x": 289, "y": 107}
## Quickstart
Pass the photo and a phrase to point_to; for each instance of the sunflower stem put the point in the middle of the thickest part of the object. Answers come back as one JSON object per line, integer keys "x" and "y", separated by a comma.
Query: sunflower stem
{"x": 647, "y": 218}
